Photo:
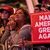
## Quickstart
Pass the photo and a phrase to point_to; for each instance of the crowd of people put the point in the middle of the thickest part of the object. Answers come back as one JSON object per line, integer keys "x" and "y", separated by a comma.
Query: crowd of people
{"x": 15, "y": 24}
{"x": 14, "y": 27}
{"x": 42, "y": 6}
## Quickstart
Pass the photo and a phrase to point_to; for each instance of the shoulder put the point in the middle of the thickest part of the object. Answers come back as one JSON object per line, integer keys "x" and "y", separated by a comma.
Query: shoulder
{"x": 26, "y": 26}
{"x": 25, "y": 29}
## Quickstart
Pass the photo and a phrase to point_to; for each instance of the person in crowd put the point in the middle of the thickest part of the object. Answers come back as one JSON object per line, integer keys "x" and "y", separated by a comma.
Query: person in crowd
{"x": 43, "y": 7}
{"x": 46, "y": 5}
{"x": 6, "y": 12}
{"x": 20, "y": 29}
{"x": 40, "y": 8}
{"x": 19, "y": 26}
{"x": 37, "y": 8}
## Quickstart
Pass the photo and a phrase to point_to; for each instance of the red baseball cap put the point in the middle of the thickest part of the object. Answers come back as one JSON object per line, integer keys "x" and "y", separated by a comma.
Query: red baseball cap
{"x": 8, "y": 8}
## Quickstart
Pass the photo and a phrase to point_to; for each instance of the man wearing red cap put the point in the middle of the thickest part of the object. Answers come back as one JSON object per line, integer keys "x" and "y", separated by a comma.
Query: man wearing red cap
{"x": 7, "y": 11}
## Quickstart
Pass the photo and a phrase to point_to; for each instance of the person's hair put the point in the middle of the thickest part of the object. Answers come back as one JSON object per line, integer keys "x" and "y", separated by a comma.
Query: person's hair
{"x": 18, "y": 5}
{"x": 40, "y": 1}
{"x": 39, "y": 6}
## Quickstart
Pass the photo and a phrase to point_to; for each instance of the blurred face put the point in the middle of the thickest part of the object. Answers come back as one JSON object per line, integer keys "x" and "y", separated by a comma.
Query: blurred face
{"x": 20, "y": 12}
{"x": 7, "y": 28}
{"x": 19, "y": 15}
{"x": 11, "y": 25}
{"x": 5, "y": 15}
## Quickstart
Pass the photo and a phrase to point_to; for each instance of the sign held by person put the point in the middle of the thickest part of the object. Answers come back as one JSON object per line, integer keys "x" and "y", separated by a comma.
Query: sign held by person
{"x": 40, "y": 23}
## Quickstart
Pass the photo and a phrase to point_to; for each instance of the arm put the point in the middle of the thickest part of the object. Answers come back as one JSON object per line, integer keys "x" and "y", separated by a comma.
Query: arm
{"x": 25, "y": 32}
{"x": 5, "y": 36}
